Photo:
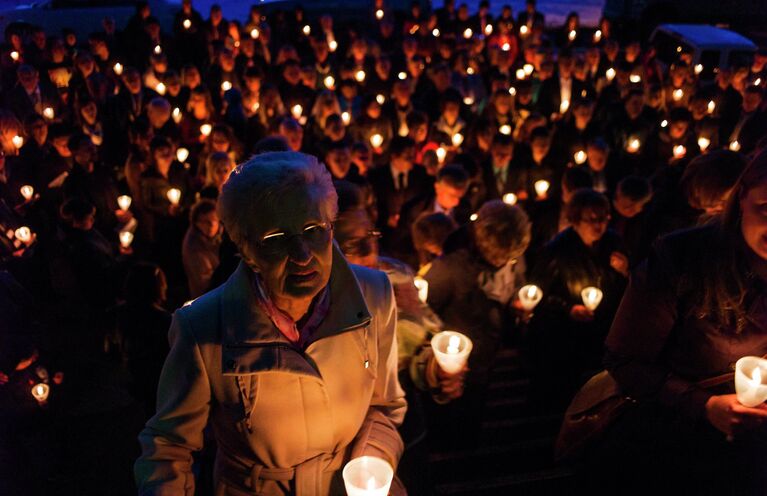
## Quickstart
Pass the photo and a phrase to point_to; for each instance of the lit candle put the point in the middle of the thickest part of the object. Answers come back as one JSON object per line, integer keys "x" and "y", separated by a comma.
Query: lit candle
{"x": 376, "y": 140}
{"x": 473, "y": 217}
{"x": 468, "y": 33}
{"x": 597, "y": 36}
{"x": 15, "y": 56}
{"x": 635, "y": 78}
{"x": 758, "y": 82}
{"x": 157, "y": 49}
{"x": 118, "y": 68}
{"x": 633, "y": 145}
{"x": 541, "y": 188}
{"x": 703, "y": 143}
{"x": 749, "y": 372}
{"x": 329, "y": 82}
{"x": 332, "y": 45}
{"x": 177, "y": 115}
{"x": 580, "y": 157}
{"x": 160, "y": 88}
{"x": 506, "y": 47}
{"x": 359, "y": 76}
{"x": 592, "y": 297}
{"x": 451, "y": 350}
{"x": 254, "y": 33}
{"x": 679, "y": 151}
{"x": 524, "y": 30}
{"x": 528, "y": 68}
{"x": 379, "y": 14}
{"x": 610, "y": 74}
{"x": 510, "y": 199}
{"x": 664, "y": 123}
{"x": 254, "y": 107}
{"x": 402, "y": 76}
{"x": 530, "y": 296}
{"x": 698, "y": 68}
{"x": 205, "y": 129}
{"x": 40, "y": 392}
{"x": 469, "y": 70}
{"x": 126, "y": 238}
{"x": 367, "y": 476}
{"x": 17, "y": 141}
{"x": 520, "y": 73}
{"x": 226, "y": 86}
{"x": 468, "y": 100}
{"x": 435, "y": 32}
{"x": 23, "y": 234}
{"x": 423, "y": 288}
{"x": 677, "y": 94}
{"x": 711, "y": 106}
{"x": 48, "y": 113}
{"x": 296, "y": 110}
{"x": 380, "y": 99}
{"x": 441, "y": 154}
{"x": 564, "y": 106}
{"x": 488, "y": 30}
{"x": 505, "y": 129}
{"x": 27, "y": 192}
{"x": 307, "y": 30}
{"x": 512, "y": 91}
{"x": 346, "y": 117}
{"x": 124, "y": 202}
{"x": 174, "y": 196}
{"x": 187, "y": 24}
{"x": 735, "y": 146}
{"x": 182, "y": 154}
{"x": 571, "y": 35}
{"x": 457, "y": 139}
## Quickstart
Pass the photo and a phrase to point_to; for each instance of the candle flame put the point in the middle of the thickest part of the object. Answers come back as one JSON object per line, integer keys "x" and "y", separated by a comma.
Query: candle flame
{"x": 468, "y": 33}
{"x": 520, "y": 73}
{"x": 510, "y": 199}
{"x": 756, "y": 377}
{"x": 380, "y": 99}
{"x": 571, "y": 35}
{"x": 524, "y": 30}
{"x": 177, "y": 115}
{"x": 453, "y": 345}
{"x": 329, "y": 81}
{"x": 296, "y": 110}
{"x": 23, "y": 234}
{"x": 182, "y": 154}
{"x": 160, "y": 88}
{"x": 531, "y": 291}
{"x": 488, "y": 30}
{"x": 457, "y": 139}
{"x": 27, "y": 191}
{"x": 359, "y": 76}
{"x": 307, "y": 30}
{"x": 677, "y": 94}
{"x": 371, "y": 484}
{"x": 735, "y": 146}
{"x": 226, "y": 86}
{"x": 680, "y": 151}
{"x": 126, "y": 238}
{"x": 17, "y": 141}
{"x": 118, "y": 68}
{"x": 441, "y": 154}
{"x": 703, "y": 143}
{"x": 174, "y": 195}
{"x": 346, "y": 117}
{"x": 187, "y": 24}
{"x": 528, "y": 68}
{"x": 124, "y": 202}
{"x": 15, "y": 55}
{"x": 541, "y": 187}
{"x": 435, "y": 32}
{"x": 254, "y": 33}
{"x": 379, "y": 14}
{"x": 48, "y": 113}
{"x": 610, "y": 74}
{"x": 580, "y": 157}
{"x": 157, "y": 49}
{"x": 376, "y": 140}
{"x": 506, "y": 47}
{"x": 597, "y": 35}
{"x": 205, "y": 129}
{"x": 711, "y": 107}
{"x": 635, "y": 78}
{"x": 698, "y": 68}
{"x": 505, "y": 129}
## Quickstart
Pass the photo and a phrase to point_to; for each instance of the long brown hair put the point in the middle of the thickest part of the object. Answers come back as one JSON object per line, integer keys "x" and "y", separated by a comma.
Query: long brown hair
{"x": 728, "y": 278}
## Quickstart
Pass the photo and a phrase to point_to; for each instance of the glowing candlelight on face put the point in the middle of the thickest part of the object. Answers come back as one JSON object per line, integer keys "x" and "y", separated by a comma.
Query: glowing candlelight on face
{"x": 346, "y": 117}
{"x": 635, "y": 78}
{"x": 177, "y": 115}
{"x": 580, "y": 157}
{"x": 506, "y": 47}
{"x": 698, "y": 68}
{"x": 423, "y": 288}
{"x": 664, "y": 123}
{"x": 380, "y": 99}
{"x": 329, "y": 82}
{"x": 571, "y": 35}
{"x": 451, "y": 350}
{"x": 187, "y": 24}
{"x": 367, "y": 476}
{"x": 610, "y": 74}
{"x": 182, "y": 154}
{"x": 27, "y": 192}
{"x": 505, "y": 129}
{"x": 541, "y": 188}
{"x": 510, "y": 199}
{"x": 48, "y": 113}
{"x": 126, "y": 238}
{"x": 307, "y": 30}
{"x": 124, "y": 202}
{"x": 488, "y": 30}
{"x": 711, "y": 107}
{"x": 160, "y": 88}
{"x": 749, "y": 372}
{"x": 468, "y": 100}
{"x": 528, "y": 68}
{"x": 359, "y": 76}
{"x": 592, "y": 297}
{"x": 297, "y": 110}
{"x": 633, "y": 145}
{"x": 457, "y": 139}
{"x": 254, "y": 33}
{"x": 512, "y": 91}
{"x": 524, "y": 30}
{"x": 157, "y": 49}
{"x": 118, "y": 68}
{"x": 441, "y": 154}
{"x": 402, "y": 75}
{"x": 703, "y": 143}
{"x": 40, "y": 392}
{"x": 205, "y": 130}
{"x": 226, "y": 86}
{"x": 376, "y": 140}
{"x": 15, "y": 56}
{"x": 17, "y": 141}
{"x": 23, "y": 234}
{"x": 735, "y": 146}
{"x": 597, "y": 36}
{"x": 520, "y": 73}
{"x": 564, "y": 106}
{"x": 677, "y": 94}
{"x": 530, "y": 296}
{"x": 174, "y": 196}
{"x": 468, "y": 33}
{"x": 379, "y": 14}
{"x": 435, "y": 32}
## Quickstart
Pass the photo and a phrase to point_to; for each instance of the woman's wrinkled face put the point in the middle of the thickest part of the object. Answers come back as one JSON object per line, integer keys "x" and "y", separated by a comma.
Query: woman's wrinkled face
{"x": 753, "y": 207}
{"x": 293, "y": 248}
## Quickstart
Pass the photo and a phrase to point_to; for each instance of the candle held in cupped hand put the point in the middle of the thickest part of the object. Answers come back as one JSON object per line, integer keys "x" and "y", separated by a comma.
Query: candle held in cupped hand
{"x": 27, "y": 192}
{"x": 124, "y": 202}
{"x": 451, "y": 350}
{"x": 126, "y": 238}
{"x": 368, "y": 476}
{"x": 750, "y": 371}
{"x": 40, "y": 392}
{"x": 174, "y": 196}
{"x": 530, "y": 296}
{"x": 423, "y": 288}
{"x": 592, "y": 297}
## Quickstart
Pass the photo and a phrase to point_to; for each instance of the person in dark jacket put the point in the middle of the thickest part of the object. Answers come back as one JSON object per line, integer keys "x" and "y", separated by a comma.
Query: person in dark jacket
{"x": 689, "y": 314}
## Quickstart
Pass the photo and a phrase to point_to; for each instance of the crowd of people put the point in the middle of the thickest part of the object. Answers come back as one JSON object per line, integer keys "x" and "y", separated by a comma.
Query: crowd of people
{"x": 478, "y": 153}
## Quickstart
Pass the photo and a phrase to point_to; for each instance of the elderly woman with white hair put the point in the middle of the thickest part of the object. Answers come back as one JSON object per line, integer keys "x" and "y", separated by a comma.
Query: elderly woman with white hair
{"x": 293, "y": 360}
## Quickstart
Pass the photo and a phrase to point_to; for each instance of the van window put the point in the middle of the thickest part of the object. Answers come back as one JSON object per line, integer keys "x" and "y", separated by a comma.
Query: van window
{"x": 740, "y": 58}
{"x": 669, "y": 47}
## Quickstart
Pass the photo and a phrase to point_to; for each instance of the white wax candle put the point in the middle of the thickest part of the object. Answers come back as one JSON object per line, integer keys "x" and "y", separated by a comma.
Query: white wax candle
{"x": 367, "y": 476}
{"x": 592, "y": 297}
{"x": 174, "y": 196}
{"x": 205, "y": 130}
{"x": 329, "y": 81}
{"x": 580, "y": 157}
{"x": 451, "y": 350}
{"x": 749, "y": 374}
{"x": 529, "y": 296}
{"x": 27, "y": 191}
{"x": 468, "y": 33}
{"x": 441, "y": 154}
{"x": 359, "y": 76}
{"x": 457, "y": 139}
{"x": 40, "y": 392}
{"x": 510, "y": 199}
{"x": 23, "y": 234}
{"x": 297, "y": 110}
{"x": 126, "y": 238}
{"x": 541, "y": 187}
{"x": 376, "y": 140}
{"x": 124, "y": 202}
{"x": 182, "y": 154}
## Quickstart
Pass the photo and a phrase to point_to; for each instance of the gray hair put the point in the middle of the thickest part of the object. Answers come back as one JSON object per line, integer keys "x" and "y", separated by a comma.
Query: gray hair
{"x": 262, "y": 180}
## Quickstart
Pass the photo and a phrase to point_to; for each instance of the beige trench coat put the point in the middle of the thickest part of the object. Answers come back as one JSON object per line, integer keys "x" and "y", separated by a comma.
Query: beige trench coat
{"x": 285, "y": 421}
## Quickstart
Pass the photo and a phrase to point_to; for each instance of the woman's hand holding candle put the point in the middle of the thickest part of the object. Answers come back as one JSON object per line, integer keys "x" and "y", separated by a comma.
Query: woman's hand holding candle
{"x": 727, "y": 414}
{"x": 580, "y": 313}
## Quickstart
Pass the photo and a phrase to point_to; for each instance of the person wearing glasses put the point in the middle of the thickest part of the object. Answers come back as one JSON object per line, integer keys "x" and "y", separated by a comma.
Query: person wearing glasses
{"x": 293, "y": 361}
{"x": 562, "y": 329}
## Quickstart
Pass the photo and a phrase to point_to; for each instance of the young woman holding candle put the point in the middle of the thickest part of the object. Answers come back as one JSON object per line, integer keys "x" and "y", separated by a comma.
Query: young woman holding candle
{"x": 692, "y": 310}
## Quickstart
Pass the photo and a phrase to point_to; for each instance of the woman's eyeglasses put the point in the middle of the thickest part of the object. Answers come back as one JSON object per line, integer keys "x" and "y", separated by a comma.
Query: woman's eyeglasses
{"x": 315, "y": 236}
